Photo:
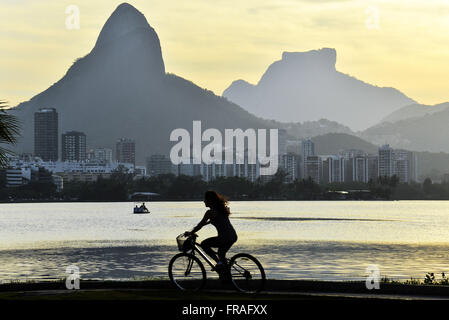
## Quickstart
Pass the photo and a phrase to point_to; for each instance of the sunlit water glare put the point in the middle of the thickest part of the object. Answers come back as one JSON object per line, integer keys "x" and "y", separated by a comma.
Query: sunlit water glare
{"x": 327, "y": 240}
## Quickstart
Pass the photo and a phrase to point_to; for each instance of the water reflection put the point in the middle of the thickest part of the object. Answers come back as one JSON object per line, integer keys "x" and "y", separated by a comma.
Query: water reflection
{"x": 326, "y": 240}
{"x": 281, "y": 259}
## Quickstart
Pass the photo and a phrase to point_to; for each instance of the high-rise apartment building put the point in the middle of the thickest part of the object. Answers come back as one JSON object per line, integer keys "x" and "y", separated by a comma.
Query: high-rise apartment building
{"x": 282, "y": 142}
{"x": 103, "y": 155}
{"x": 307, "y": 149}
{"x": 46, "y": 134}
{"x": 385, "y": 161}
{"x": 312, "y": 168}
{"x": 360, "y": 169}
{"x": 333, "y": 169}
{"x": 290, "y": 164}
{"x": 401, "y": 163}
{"x": 373, "y": 167}
{"x": 126, "y": 151}
{"x": 160, "y": 164}
{"x": 405, "y": 166}
{"x": 73, "y": 145}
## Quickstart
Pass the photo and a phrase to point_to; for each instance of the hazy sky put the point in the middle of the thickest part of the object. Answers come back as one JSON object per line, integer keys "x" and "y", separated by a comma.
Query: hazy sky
{"x": 399, "y": 43}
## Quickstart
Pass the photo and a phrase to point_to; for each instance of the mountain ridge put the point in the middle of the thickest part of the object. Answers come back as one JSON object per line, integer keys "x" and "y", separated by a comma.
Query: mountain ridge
{"x": 120, "y": 90}
{"x": 414, "y": 111}
{"x": 306, "y": 86}
{"x": 427, "y": 132}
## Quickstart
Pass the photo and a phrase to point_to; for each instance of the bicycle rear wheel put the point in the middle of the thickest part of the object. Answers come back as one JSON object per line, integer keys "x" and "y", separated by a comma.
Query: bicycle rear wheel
{"x": 247, "y": 273}
{"x": 187, "y": 272}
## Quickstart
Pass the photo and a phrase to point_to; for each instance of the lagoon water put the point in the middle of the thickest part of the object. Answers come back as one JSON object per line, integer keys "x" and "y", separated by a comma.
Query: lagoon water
{"x": 323, "y": 240}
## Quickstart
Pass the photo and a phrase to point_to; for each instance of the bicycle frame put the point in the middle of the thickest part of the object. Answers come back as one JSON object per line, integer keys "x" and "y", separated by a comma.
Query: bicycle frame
{"x": 237, "y": 273}
{"x": 197, "y": 247}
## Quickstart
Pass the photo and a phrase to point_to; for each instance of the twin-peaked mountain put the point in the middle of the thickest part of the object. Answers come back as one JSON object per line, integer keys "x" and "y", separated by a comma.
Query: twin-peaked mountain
{"x": 306, "y": 86}
{"x": 120, "y": 89}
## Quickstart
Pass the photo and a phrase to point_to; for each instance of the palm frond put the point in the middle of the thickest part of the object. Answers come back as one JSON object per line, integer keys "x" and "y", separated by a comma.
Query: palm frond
{"x": 9, "y": 132}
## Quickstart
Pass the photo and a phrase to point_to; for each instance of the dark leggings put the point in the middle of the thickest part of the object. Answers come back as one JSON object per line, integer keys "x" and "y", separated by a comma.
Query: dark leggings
{"x": 215, "y": 242}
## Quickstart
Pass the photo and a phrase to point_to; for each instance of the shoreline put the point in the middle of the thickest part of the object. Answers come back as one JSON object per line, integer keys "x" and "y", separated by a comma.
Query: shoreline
{"x": 231, "y": 200}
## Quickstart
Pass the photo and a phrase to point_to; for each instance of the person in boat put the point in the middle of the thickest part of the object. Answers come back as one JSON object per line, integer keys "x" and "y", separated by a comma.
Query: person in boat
{"x": 143, "y": 208}
{"x": 218, "y": 216}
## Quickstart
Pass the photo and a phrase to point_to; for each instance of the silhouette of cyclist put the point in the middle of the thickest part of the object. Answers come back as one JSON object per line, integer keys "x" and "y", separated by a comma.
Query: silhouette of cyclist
{"x": 218, "y": 216}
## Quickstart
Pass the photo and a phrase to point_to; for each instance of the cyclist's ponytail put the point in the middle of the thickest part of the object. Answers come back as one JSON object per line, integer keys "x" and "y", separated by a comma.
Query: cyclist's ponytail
{"x": 219, "y": 202}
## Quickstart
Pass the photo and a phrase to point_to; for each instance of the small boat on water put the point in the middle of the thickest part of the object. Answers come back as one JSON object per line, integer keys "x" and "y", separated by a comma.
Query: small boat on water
{"x": 142, "y": 209}
{"x": 140, "y": 196}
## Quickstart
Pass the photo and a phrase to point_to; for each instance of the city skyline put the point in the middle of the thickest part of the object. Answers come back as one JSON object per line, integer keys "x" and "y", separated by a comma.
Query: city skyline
{"x": 348, "y": 165}
{"x": 73, "y": 143}
{"x": 378, "y": 41}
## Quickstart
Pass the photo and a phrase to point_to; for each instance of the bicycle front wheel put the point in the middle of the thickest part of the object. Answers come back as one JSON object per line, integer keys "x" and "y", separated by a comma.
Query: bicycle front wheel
{"x": 187, "y": 272}
{"x": 247, "y": 273}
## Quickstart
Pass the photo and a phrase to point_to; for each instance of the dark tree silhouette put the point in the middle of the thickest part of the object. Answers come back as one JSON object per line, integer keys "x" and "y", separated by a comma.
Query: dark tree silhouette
{"x": 9, "y": 130}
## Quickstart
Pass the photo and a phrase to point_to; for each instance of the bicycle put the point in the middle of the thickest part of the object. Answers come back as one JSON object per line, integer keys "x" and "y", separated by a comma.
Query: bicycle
{"x": 187, "y": 272}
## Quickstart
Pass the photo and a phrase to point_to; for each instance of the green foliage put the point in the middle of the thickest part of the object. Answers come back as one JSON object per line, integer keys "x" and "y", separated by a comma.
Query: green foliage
{"x": 186, "y": 187}
{"x": 427, "y": 186}
{"x": 429, "y": 279}
{"x": 233, "y": 187}
{"x": 444, "y": 279}
{"x": 35, "y": 190}
{"x": 121, "y": 184}
{"x": 112, "y": 189}
{"x": 9, "y": 130}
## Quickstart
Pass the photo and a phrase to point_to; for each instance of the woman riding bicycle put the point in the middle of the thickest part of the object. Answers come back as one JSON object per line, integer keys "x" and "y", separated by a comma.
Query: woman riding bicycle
{"x": 218, "y": 216}
{"x": 186, "y": 271}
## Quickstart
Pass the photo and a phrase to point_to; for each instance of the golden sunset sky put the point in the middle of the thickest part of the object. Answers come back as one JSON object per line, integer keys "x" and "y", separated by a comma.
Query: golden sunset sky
{"x": 400, "y": 43}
